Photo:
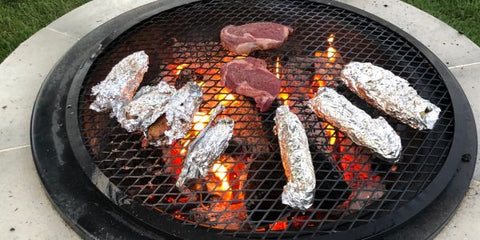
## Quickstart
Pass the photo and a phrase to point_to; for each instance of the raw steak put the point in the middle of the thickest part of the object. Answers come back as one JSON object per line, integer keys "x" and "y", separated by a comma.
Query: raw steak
{"x": 244, "y": 39}
{"x": 250, "y": 77}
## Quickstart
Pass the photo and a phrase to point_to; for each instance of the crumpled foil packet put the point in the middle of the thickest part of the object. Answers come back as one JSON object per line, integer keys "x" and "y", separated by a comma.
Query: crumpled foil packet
{"x": 296, "y": 159}
{"x": 146, "y": 107}
{"x": 375, "y": 134}
{"x": 179, "y": 112}
{"x": 120, "y": 85}
{"x": 391, "y": 94}
{"x": 206, "y": 148}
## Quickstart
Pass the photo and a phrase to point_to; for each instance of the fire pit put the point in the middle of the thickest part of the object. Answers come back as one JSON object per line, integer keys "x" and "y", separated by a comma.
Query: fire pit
{"x": 357, "y": 194}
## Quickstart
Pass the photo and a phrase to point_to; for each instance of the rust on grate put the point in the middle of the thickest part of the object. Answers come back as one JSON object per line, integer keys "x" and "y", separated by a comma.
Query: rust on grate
{"x": 242, "y": 195}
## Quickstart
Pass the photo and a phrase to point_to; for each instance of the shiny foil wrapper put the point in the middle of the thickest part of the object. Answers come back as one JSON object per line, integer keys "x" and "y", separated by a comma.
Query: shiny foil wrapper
{"x": 391, "y": 94}
{"x": 296, "y": 159}
{"x": 375, "y": 134}
{"x": 206, "y": 148}
{"x": 146, "y": 107}
{"x": 120, "y": 85}
{"x": 179, "y": 112}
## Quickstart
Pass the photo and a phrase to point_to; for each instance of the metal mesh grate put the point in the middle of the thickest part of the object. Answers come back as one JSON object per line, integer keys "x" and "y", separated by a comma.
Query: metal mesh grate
{"x": 353, "y": 188}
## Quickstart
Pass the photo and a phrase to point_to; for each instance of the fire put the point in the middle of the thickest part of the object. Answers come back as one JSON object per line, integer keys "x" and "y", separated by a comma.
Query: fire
{"x": 179, "y": 68}
{"x": 331, "y": 38}
{"x": 277, "y": 68}
{"x": 278, "y": 226}
{"x": 330, "y": 132}
{"x": 331, "y": 50}
{"x": 221, "y": 173}
{"x": 327, "y": 61}
{"x": 331, "y": 53}
{"x": 200, "y": 120}
{"x": 284, "y": 97}
{"x": 226, "y": 98}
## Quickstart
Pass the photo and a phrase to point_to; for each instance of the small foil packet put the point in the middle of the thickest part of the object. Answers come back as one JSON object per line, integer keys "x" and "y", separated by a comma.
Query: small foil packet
{"x": 299, "y": 192}
{"x": 179, "y": 112}
{"x": 120, "y": 85}
{"x": 206, "y": 148}
{"x": 391, "y": 94}
{"x": 375, "y": 134}
{"x": 146, "y": 107}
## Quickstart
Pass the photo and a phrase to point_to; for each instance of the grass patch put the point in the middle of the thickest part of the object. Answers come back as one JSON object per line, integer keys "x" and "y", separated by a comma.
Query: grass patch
{"x": 463, "y": 15}
{"x": 19, "y": 19}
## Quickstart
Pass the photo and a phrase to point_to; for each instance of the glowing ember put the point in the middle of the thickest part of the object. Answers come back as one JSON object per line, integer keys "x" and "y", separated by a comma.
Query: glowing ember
{"x": 278, "y": 226}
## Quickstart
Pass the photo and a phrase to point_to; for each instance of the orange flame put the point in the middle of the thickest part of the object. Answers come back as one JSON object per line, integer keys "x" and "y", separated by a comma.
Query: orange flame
{"x": 331, "y": 56}
{"x": 277, "y": 68}
{"x": 200, "y": 120}
{"x": 224, "y": 97}
{"x": 179, "y": 68}
{"x": 284, "y": 97}
{"x": 220, "y": 172}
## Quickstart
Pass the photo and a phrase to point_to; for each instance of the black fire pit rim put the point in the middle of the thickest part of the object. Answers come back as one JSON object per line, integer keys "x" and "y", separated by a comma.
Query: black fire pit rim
{"x": 104, "y": 35}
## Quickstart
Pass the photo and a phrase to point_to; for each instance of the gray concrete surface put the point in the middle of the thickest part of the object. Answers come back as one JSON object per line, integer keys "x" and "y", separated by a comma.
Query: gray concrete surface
{"x": 26, "y": 211}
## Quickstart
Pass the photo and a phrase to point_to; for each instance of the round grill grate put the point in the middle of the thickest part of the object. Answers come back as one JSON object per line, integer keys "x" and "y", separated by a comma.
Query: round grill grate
{"x": 187, "y": 37}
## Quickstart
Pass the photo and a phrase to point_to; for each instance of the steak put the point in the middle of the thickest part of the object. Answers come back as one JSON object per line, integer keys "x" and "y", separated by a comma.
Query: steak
{"x": 250, "y": 77}
{"x": 244, "y": 39}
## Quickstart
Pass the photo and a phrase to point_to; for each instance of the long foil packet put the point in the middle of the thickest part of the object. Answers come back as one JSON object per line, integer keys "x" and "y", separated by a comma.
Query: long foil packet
{"x": 146, "y": 107}
{"x": 206, "y": 148}
{"x": 179, "y": 112}
{"x": 296, "y": 158}
{"x": 120, "y": 85}
{"x": 391, "y": 94}
{"x": 375, "y": 134}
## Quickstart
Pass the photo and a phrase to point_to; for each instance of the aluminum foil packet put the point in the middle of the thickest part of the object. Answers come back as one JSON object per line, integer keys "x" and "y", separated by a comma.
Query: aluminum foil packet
{"x": 391, "y": 94}
{"x": 375, "y": 134}
{"x": 120, "y": 85}
{"x": 296, "y": 159}
{"x": 179, "y": 112}
{"x": 206, "y": 148}
{"x": 148, "y": 104}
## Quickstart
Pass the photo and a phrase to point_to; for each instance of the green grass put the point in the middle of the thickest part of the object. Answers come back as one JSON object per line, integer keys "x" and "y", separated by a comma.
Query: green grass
{"x": 463, "y": 15}
{"x": 19, "y": 19}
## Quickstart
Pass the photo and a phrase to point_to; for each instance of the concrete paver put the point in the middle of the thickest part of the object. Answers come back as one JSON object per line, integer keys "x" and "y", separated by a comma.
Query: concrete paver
{"x": 468, "y": 77}
{"x": 26, "y": 211}
{"x": 21, "y": 76}
{"x": 464, "y": 223}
